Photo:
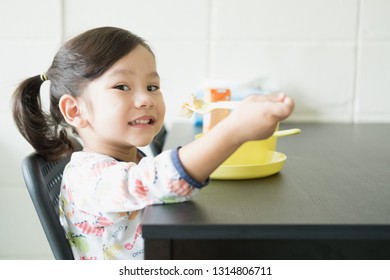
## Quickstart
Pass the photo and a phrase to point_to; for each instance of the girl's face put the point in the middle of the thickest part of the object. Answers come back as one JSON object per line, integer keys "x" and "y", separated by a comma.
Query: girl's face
{"x": 125, "y": 107}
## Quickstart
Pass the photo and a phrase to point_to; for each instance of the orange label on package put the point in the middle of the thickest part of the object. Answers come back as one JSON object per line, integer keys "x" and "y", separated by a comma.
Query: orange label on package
{"x": 215, "y": 116}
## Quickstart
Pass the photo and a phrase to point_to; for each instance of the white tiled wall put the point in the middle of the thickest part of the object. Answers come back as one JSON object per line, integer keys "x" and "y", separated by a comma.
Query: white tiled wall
{"x": 332, "y": 56}
{"x": 30, "y": 33}
{"x": 373, "y": 62}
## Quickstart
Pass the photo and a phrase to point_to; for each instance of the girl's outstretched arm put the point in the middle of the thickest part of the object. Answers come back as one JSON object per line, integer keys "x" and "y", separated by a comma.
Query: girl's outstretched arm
{"x": 256, "y": 118}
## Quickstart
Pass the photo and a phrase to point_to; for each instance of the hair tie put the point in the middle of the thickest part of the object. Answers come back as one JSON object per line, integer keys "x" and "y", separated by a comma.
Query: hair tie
{"x": 44, "y": 77}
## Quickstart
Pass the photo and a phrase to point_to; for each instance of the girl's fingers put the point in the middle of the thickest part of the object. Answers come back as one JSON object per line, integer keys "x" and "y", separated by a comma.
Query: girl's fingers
{"x": 264, "y": 98}
{"x": 283, "y": 109}
{"x": 281, "y": 96}
{"x": 278, "y": 105}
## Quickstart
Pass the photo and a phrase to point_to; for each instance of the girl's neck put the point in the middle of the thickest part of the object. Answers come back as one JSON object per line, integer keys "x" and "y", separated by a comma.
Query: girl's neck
{"x": 128, "y": 155}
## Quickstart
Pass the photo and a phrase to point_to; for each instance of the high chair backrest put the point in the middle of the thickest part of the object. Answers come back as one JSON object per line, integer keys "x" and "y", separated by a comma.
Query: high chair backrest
{"x": 43, "y": 181}
{"x": 158, "y": 142}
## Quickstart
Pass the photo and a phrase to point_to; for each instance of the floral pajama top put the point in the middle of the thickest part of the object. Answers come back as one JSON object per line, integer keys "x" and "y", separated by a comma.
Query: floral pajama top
{"x": 102, "y": 200}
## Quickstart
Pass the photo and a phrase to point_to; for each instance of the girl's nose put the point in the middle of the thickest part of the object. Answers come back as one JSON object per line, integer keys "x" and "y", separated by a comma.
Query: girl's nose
{"x": 143, "y": 99}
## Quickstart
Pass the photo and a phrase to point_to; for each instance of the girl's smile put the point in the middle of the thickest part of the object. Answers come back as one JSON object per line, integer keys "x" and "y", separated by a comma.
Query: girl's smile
{"x": 144, "y": 121}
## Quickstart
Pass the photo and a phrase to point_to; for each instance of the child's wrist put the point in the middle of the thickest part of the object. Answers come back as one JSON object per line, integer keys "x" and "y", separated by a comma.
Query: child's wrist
{"x": 229, "y": 132}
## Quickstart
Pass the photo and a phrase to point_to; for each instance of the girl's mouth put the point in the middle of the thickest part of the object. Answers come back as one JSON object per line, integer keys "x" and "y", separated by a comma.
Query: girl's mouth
{"x": 142, "y": 121}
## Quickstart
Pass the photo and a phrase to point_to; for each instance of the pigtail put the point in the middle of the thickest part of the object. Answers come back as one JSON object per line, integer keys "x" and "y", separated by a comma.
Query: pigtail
{"x": 37, "y": 126}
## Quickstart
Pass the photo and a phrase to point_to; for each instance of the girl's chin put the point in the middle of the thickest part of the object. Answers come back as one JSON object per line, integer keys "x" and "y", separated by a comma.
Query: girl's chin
{"x": 142, "y": 143}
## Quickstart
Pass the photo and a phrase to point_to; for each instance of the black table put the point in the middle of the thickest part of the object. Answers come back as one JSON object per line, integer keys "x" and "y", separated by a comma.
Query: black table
{"x": 331, "y": 200}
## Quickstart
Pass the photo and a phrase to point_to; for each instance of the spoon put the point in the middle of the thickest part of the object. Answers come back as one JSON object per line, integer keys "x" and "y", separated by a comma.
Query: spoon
{"x": 205, "y": 107}
{"x": 287, "y": 132}
{"x": 279, "y": 133}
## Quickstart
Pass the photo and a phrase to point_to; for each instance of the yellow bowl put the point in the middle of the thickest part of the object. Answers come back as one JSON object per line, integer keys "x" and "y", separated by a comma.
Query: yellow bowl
{"x": 249, "y": 166}
{"x": 251, "y": 152}
{"x": 254, "y": 159}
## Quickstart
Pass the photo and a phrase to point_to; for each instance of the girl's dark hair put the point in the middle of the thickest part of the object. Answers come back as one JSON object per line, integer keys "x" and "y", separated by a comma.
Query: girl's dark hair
{"x": 77, "y": 63}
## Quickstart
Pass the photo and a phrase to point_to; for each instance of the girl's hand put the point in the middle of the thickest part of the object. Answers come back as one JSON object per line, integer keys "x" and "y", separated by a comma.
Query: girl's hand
{"x": 255, "y": 118}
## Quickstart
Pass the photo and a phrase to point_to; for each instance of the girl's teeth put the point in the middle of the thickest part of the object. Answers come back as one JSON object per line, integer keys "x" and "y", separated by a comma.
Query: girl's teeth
{"x": 141, "y": 121}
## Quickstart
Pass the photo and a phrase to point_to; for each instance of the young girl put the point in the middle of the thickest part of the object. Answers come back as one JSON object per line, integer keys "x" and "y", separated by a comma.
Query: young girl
{"x": 104, "y": 85}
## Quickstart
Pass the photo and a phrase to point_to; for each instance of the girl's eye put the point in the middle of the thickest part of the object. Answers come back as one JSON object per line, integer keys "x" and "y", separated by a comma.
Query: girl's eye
{"x": 152, "y": 88}
{"x": 122, "y": 87}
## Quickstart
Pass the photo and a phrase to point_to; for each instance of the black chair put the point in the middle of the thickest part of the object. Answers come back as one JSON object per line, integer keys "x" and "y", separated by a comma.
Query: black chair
{"x": 43, "y": 181}
{"x": 158, "y": 142}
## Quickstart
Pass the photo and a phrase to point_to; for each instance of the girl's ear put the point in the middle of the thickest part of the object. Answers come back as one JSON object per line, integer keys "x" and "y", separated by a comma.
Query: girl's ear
{"x": 71, "y": 110}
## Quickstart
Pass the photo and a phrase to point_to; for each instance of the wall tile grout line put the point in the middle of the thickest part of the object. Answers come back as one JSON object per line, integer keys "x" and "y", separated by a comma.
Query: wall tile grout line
{"x": 62, "y": 21}
{"x": 358, "y": 47}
